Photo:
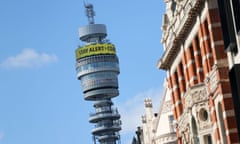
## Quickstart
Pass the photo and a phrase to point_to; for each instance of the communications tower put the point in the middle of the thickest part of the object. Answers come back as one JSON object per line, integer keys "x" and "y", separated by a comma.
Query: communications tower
{"x": 97, "y": 67}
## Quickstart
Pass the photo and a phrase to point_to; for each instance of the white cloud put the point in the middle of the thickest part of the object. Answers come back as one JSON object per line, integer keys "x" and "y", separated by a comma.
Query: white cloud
{"x": 132, "y": 109}
{"x": 28, "y": 58}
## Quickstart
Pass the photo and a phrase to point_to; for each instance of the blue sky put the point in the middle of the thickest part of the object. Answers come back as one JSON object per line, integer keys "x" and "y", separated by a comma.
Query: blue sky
{"x": 41, "y": 101}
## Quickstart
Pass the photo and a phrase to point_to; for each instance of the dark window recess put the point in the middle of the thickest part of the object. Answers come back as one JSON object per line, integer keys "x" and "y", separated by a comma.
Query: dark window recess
{"x": 173, "y": 6}
{"x": 235, "y": 88}
{"x": 227, "y": 26}
{"x": 236, "y": 10}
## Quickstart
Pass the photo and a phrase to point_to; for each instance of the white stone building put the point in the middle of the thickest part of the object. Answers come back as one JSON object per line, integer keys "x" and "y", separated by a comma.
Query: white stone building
{"x": 158, "y": 128}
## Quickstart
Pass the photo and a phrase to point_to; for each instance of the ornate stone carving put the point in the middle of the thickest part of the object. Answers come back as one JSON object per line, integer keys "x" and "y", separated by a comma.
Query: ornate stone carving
{"x": 196, "y": 106}
{"x": 183, "y": 121}
{"x": 167, "y": 107}
{"x": 204, "y": 124}
{"x": 148, "y": 102}
{"x": 195, "y": 95}
{"x": 213, "y": 81}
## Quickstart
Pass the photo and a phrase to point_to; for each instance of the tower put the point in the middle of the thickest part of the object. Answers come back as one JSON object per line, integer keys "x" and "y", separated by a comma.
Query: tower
{"x": 97, "y": 67}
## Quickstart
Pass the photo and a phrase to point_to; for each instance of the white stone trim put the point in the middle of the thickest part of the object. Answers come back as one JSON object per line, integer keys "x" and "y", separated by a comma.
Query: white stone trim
{"x": 192, "y": 79}
{"x": 218, "y": 141}
{"x": 204, "y": 38}
{"x": 191, "y": 35}
{"x": 221, "y": 97}
{"x": 187, "y": 84}
{"x": 204, "y": 12}
{"x": 190, "y": 62}
{"x": 217, "y": 43}
{"x": 228, "y": 113}
{"x": 199, "y": 70}
{"x": 184, "y": 67}
{"x": 180, "y": 78}
{"x": 217, "y": 100}
{"x": 195, "y": 53}
{"x": 229, "y": 131}
{"x": 178, "y": 102}
{"x": 176, "y": 62}
{"x": 214, "y": 25}
{"x": 229, "y": 95}
{"x": 175, "y": 87}
{"x": 215, "y": 126}
{"x": 207, "y": 56}
{"x": 212, "y": 110}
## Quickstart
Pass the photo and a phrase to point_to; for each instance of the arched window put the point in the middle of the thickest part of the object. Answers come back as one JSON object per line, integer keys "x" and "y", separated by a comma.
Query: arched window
{"x": 195, "y": 138}
{"x": 221, "y": 123}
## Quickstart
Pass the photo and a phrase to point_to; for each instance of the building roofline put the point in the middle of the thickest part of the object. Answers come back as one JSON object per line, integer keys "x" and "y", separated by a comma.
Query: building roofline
{"x": 179, "y": 34}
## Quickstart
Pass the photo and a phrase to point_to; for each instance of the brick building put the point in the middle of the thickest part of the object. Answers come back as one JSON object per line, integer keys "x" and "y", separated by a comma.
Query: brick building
{"x": 197, "y": 69}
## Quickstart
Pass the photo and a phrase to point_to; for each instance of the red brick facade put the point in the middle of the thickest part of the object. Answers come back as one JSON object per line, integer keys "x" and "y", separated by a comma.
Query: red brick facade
{"x": 203, "y": 62}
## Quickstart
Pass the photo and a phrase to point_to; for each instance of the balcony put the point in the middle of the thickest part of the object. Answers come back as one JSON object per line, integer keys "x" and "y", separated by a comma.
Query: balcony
{"x": 104, "y": 115}
{"x": 103, "y": 128}
{"x": 108, "y": 137}
{"x": 99, "y": 94}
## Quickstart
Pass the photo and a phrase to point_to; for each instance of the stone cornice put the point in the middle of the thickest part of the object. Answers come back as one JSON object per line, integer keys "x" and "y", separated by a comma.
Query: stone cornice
{"x": 179, "y": 27}
{"x": 167, "y": 138}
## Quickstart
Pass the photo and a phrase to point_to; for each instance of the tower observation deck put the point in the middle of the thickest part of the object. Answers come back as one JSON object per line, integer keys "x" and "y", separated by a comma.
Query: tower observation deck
{"x": 97, "y": 67}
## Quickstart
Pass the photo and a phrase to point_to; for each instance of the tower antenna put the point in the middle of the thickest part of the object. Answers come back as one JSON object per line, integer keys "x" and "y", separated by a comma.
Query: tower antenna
{"x": 89, "y": 12}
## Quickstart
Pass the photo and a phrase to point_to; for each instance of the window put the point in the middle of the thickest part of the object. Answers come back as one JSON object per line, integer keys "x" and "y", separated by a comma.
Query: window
{"x": 235, "y": 84}
{"x": 195, "y": 131}
{"x": 221, "y": 123}
{"x": 236, "y": 13}
{"x": 173, "y": 6}
{"x": 171, "y": 123}
{"x": 207, "y": 139}
{"x": 203, "y": 115}
{"x": 227, "y": 25}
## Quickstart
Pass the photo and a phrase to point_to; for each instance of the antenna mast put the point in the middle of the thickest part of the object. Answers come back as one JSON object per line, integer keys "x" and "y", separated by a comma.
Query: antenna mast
{"x": 89, "y": 12}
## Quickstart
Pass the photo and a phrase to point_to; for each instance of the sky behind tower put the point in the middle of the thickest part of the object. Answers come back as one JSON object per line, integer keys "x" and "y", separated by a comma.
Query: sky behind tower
{"x": 41, "y": 100}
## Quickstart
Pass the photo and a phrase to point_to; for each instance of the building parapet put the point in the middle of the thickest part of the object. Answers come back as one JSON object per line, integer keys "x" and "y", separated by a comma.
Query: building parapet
{"x": 178, "y": 28}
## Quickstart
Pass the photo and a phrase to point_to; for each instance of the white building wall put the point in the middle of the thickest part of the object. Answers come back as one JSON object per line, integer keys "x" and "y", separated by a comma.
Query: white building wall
{"x": 158, "y": 129}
